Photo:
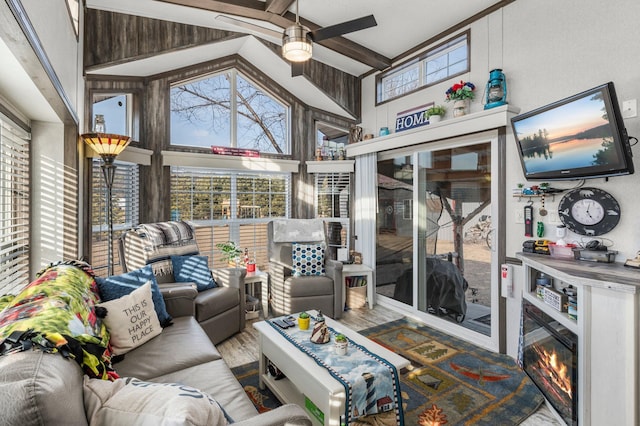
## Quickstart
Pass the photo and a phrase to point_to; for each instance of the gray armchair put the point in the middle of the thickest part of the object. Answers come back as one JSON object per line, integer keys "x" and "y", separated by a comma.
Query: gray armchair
{"x": 220, "y": 310}
{"x": 289, "y": 293}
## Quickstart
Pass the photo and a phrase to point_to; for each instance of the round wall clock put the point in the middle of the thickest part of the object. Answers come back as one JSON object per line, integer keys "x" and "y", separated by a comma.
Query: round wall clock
{"x": 589, "y": 211}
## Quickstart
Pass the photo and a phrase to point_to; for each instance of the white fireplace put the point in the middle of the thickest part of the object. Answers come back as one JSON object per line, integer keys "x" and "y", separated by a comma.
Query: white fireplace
{"x": 607, "y": 327}
{"x": 550, "y": 358}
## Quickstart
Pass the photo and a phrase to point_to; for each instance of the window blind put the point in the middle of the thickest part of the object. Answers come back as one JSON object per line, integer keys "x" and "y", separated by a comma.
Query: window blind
{"x": 14, "y": 213}
{"x": 125, "y": 211}
{"x": 332, "y": 204}
{"x": 229, "y": 206}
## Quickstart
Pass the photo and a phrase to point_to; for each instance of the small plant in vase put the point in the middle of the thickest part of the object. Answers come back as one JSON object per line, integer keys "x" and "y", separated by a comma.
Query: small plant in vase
{"x": 341, "y": 344}
{"x": 304, "y": 320}
{"x": 435, "y": 113}
{"x": 230, "y": 252}
{"x": 462, "y": 94}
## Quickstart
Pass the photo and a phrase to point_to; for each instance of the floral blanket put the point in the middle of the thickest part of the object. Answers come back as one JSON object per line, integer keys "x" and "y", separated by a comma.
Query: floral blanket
{"x": 56, "y": 313}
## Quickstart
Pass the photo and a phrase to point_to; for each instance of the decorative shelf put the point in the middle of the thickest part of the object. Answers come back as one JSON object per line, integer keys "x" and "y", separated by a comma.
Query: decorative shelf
{"x": 476, "y": 122}
{"x": 551, "y": 196}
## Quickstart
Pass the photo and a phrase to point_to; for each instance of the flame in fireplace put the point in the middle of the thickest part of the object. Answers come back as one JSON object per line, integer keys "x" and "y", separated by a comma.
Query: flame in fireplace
{"x": 554, "y": 369}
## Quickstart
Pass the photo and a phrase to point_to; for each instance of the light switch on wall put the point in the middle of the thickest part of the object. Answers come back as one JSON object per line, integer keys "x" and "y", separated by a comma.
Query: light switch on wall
{"x": 518, "y": 215}
{"x": 630, "y": 108}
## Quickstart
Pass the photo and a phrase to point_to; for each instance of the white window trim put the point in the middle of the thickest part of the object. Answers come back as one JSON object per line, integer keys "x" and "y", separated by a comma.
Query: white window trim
{"x": 130, "y": 154}
{"x": 333, "y": 166}
{"x": 214, "y": 161}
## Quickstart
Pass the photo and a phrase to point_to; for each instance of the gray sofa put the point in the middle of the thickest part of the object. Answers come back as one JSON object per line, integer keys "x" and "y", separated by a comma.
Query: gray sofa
{"x": 38, "y": 388}
{"x": 221, "y": 310}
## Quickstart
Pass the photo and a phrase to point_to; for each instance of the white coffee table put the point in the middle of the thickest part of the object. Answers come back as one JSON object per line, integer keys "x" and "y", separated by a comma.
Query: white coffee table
{"x": 306, "y": 383}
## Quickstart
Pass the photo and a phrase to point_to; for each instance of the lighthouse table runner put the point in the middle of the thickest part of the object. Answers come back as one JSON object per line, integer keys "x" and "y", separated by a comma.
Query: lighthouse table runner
{"x": 371, "y": 383}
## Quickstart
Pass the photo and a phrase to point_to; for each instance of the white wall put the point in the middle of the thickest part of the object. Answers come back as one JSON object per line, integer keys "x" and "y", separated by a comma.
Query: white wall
{"x": 47, "y": 197}
{"x": 548, "y": 50}
{"x": 555, "y": 49}
{"x": 57, "y": 35}
{"x": 63, "y": 50}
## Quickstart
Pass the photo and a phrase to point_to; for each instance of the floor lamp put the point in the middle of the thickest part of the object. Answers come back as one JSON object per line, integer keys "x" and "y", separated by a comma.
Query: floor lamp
{"x": 108, "y": 146}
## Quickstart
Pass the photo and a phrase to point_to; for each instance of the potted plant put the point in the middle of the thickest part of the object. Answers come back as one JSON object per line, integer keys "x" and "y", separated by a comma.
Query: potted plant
{"x": 304, "y": 320}
{"x": 435, "y": 113}
{"x": 462, "y": 94}
{"x": 341, "y": 344}
{"x": 230, "y": 252}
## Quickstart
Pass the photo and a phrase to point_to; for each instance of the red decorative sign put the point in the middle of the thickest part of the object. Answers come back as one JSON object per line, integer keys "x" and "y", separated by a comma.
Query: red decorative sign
{"x": 236, "y": 152}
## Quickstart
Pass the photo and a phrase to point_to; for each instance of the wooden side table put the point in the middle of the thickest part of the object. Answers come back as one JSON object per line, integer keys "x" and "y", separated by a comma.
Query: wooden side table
{"x": 357, "y": 270}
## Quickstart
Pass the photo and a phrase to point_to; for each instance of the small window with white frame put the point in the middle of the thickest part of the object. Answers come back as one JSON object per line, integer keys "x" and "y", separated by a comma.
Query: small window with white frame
{"x": 444, "y": 61}
{"x": 330, "y": 141}
{"x": 114, "y": 111}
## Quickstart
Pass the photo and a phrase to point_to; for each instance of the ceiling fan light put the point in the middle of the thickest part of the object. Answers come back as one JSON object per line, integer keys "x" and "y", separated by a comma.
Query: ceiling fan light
{"x": 296, "y": 44}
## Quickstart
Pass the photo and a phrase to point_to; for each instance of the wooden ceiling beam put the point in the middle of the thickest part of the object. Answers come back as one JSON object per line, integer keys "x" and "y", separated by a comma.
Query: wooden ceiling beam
{"x": 256, "y": 10}
{"x": 279, "y": 7}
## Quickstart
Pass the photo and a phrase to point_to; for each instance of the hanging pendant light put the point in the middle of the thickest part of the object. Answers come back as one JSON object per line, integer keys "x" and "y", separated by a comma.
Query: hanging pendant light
{"x": 296, "y": 42}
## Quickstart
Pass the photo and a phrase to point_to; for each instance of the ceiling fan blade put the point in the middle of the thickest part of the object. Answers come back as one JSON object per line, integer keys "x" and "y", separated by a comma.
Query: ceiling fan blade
{"x": 297, "y": 68}
{"x": 249, "y": 26}
{"x": 343, "y": 28}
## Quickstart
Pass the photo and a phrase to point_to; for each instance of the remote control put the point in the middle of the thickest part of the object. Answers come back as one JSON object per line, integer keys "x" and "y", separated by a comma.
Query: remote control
{"x": 280, "y": 323}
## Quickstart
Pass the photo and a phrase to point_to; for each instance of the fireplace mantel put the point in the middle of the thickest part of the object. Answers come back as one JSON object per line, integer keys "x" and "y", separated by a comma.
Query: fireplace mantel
{"x": 607, "y": 327}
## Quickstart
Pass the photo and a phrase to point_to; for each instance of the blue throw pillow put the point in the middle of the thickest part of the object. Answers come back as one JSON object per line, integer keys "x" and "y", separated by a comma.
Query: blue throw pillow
{"x": 116, "y": 286}
{"x": 308, "y": 259}
{"x": 193, "y": 269}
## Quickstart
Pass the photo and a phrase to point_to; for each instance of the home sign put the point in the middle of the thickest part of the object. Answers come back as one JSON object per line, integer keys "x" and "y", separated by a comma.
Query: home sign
{"x": 412, "y": 118}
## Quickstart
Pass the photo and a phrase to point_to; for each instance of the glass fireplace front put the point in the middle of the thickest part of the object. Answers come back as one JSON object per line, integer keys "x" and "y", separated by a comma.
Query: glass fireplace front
{"x": 550, "y": 358}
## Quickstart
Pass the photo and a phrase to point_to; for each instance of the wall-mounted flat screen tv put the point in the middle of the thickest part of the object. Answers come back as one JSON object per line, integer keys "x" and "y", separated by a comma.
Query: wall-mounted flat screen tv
{"x": 579, "y": 137}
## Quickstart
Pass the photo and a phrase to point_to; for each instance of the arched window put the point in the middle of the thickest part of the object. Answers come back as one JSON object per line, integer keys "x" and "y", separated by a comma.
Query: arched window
{"x": 228, "y": 110}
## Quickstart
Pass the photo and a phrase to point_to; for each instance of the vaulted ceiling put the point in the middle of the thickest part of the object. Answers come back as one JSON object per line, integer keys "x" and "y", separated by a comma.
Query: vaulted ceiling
{"x": 401, "y": 25}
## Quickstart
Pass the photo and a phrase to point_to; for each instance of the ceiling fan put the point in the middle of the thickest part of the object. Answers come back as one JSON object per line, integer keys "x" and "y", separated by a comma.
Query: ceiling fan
{"x": 297, "y": 39}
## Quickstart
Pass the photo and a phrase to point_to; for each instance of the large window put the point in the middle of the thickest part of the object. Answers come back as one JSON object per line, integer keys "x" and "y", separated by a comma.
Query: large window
{"x": 229, "y": 206}
{"x": 14, "y": 214}
{"x": 125, "y": 206}
{"x": 444, "y": 61}
{"x": 228, "y": 110}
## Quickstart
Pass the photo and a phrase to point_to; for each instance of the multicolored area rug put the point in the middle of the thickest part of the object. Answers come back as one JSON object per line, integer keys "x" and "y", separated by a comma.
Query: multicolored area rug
{"x": 451, "y": 382}
{"x": 247, "y": 375}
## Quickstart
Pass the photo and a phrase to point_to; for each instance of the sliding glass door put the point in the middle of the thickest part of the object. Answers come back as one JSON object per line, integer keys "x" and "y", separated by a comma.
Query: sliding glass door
{"x": 435, "y": 254}
{"x": 394, "y": 248}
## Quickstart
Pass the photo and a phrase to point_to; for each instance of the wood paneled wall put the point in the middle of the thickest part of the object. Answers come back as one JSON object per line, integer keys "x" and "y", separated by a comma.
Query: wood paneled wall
{"x": 112, "y": 38}
{"x": 151, "y": 98}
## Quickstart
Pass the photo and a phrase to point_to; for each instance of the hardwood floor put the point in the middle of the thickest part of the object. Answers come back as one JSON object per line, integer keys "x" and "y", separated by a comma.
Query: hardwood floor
{"x": 242, "y": 348}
